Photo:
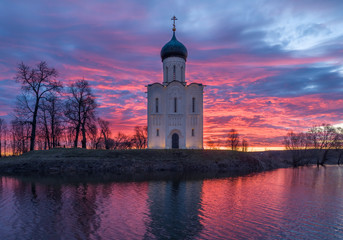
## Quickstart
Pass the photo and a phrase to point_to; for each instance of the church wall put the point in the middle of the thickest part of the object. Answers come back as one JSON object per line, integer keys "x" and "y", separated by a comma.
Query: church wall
{"x": 194, "y": 134}
{"x": 176, "y": 120}
{"x": 156, "y": 120}
{"x": 183, "y": 122}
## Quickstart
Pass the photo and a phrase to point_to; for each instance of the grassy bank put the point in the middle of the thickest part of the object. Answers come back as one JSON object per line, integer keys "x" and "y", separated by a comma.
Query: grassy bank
{"x": 141, "y": 164}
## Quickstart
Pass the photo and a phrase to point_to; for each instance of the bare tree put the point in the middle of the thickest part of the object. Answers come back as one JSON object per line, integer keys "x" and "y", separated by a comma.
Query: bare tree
{"x": 68, "y": 136}
{"x": 41, "y": 142}
{"x": 122, "y": 142}
{"x": 105, "y": 131}
{"x": 111, "y": 143}
{"x": 46, "y": 134}
{"x": 36, "y": 83}
{"x": 80, "y": 109}
{"x": 298, "y": 144}
{"x": 316, "y": 143}
{"x": 233, "y": 139}
{"x": 20, "y": 135}
{"x": 245, "y": 145}
{"x": 323, "y": 139}
{"x": 140, "y": 137}
{"x": 52, "y": 119}
{"x": 95, "y": 137}
{"x": 338, "y": 145}
{"x": 2, "y": 134}
{"x": 6, "y": 139}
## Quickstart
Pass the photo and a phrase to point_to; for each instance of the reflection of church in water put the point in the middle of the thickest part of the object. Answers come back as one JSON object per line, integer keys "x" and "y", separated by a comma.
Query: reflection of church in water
{"x": 174, "y": 210}
{"x": 175, "y": 109}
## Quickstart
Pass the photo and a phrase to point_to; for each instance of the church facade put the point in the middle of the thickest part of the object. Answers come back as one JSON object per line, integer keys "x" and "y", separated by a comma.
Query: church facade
{"x": 175, "y": 108}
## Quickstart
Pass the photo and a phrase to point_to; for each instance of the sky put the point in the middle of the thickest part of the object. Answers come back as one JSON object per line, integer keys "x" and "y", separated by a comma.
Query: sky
{"x": 269, "y": 66}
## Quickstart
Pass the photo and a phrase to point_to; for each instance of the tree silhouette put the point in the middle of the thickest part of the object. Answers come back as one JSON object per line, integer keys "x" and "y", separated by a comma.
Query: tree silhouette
{"x": 245, "y": 145}
{"x": 80, "y": 109}
{"x": 2, "y": 133}
{"x": 36, "y": 83}
{"x": 140, "y": 138}
{"x": 233, "y": 139}
{"x": 52, "y": 119}
{"x": 105, "y": 131}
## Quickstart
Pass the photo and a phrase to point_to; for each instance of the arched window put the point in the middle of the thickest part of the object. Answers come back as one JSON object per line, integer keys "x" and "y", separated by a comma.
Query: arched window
{"x": 166, "y": 74}
{"x": 157, "y": 132}
{"x": 192, "y": 132}
{"x": 156, "y": 105}
{"x": 175, "y": 105}
{"x": 174, "y": 73}
{"x": 193, "y": 105}
{"x": 182, "y": 74}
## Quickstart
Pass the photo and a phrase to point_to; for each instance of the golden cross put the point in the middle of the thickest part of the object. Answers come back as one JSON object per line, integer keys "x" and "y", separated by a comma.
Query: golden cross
{"x": 174, "y": 18}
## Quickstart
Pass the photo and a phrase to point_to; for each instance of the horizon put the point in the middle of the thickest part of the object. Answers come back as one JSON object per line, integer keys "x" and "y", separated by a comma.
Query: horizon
{"x": 268, "y": 67}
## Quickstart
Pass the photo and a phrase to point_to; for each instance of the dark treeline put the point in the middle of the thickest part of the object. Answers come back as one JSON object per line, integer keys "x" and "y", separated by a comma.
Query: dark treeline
{"x": 49, "y": 115}
{"x": 316, "y": 143}
{"x": 232, "y": 142}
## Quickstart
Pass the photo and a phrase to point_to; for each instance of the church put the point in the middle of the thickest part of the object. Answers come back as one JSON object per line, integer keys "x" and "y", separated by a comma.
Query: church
{"x": 175, "y": 108}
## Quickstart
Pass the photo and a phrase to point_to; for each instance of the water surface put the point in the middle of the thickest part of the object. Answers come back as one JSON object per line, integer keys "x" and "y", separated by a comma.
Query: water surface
{"x": 302, "y": 203}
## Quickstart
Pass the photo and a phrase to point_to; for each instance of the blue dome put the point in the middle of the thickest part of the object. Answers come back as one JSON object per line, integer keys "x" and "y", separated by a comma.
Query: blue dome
{"x": 174, "y": 48}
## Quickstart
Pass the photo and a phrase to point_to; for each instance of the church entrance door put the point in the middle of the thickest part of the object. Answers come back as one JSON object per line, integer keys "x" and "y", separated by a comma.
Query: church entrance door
{"x": 175, "y": 140}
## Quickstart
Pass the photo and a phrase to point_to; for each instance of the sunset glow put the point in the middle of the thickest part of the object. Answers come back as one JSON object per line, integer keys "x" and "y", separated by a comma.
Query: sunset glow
{"x": 268, "y": 66}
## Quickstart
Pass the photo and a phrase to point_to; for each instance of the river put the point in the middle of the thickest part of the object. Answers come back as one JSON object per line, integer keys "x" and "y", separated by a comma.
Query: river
{"x": 301, "y": 203}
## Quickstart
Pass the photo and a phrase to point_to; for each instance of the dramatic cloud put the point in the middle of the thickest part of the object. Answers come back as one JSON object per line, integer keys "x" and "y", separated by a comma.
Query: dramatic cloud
{"x": 269, "y": 66}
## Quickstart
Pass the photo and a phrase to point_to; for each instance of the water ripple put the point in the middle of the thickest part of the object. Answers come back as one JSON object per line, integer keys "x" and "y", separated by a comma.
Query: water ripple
{"x": 303, "y": 203}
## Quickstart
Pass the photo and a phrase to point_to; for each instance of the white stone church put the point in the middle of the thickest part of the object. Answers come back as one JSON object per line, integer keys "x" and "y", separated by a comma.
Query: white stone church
{"x": 175, "y": 109}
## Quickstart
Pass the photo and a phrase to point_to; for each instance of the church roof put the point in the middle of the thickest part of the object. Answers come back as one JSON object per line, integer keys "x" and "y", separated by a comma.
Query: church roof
{"x": 174, "y": 48}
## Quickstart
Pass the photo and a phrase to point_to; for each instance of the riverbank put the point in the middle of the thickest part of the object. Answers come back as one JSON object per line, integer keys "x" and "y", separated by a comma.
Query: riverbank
{"x": 142, "y": 164}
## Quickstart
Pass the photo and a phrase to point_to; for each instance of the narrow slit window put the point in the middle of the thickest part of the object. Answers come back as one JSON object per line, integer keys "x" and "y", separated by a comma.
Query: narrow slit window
{"x": 174, "y": 73}
{"x": 157, "y": 132}
{"x": 192, "y": 132}
{"x": 166, "y": 74}
{"x": 181, "y": 74}
{"x": 156, "y": 105}
{"x": 193, "y": 105}
{"x": 175, "y": 104}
